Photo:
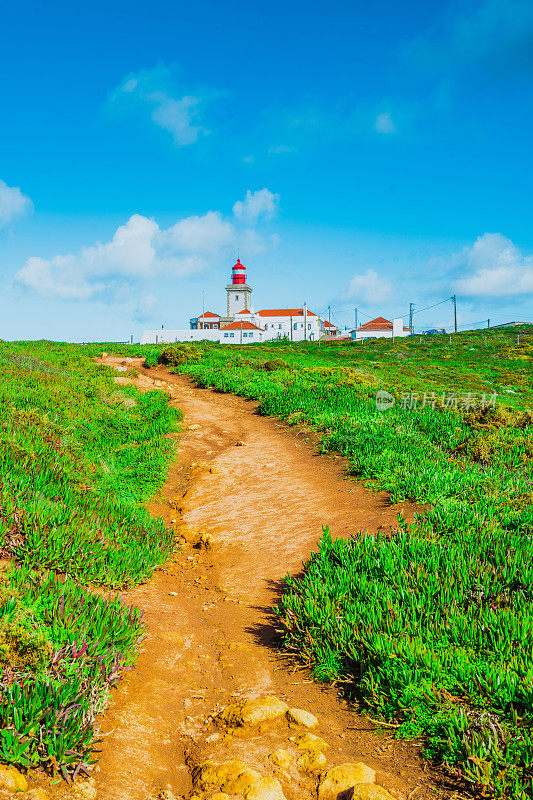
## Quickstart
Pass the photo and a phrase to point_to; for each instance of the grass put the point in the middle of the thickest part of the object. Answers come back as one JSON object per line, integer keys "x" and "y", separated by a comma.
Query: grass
{"x": 79, "y": 456}
{"x": 431, "y": 628}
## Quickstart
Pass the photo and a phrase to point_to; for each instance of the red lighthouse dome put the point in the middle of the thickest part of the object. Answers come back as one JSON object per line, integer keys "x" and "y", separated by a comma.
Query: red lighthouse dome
{"x": 238, "y": 273}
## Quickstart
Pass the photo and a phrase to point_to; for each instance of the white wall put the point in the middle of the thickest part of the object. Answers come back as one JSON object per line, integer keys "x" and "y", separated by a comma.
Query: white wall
{"x": 397, "y": 328}
{"x": 187, "y": 335}
{"x": 311, "y": 332}
{"x": 234, "y": 337}
{"x": 211, "y": 335}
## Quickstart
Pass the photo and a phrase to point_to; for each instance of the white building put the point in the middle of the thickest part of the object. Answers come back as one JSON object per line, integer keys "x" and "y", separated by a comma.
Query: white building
{"x": 295, "y": 324}
{"x": 241, "y": 332}
{"x": 380, "y": 328}
{"x": 243, "y": 325}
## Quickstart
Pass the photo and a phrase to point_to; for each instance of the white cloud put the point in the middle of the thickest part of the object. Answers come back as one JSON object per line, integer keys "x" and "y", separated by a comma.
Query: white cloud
{"x": 369, "y": 288}
{"x": 384, "y": 123}
{"x": 248, "y": 160}
{"x": 497, "y": 266}
{"x": 12, "y": 203}
{"x": 255, "y": 205}
{"x": 155, "y": 91}
{"x": 141, "y": 250}
{"x": 204, "y": 235}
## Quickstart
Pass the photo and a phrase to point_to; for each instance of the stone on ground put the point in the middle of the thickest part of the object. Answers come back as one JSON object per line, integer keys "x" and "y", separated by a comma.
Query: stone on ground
{"x": 11, "y": 778}
{"x": 242, "y": 783}
{"x": 312, "y": 761}
{"x": 338, "y": 779}
{"x": 265, "y": 789}
{"x": 253, "y": 712}
{"x": 297, "y": 716}
{"x": 232, "y": 777}
{"x": 308, "y": 741}
{"x": 281, "y": 758}
{"x": 212, "y": 774}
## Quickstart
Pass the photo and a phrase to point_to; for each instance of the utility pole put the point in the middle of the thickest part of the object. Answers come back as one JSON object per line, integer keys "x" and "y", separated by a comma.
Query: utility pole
{"x": 355, "y": 311}
{"x": 203, "y": 308}
{"x": 329, "y": 314}
{"x": 305, "y": 322}
{"x": 411, "y": 309}
{"x": 488, "y": 323}
{"x": 291, "y": 328}
{"x": 241, "y": 330}
{"x": 455, "y": 312}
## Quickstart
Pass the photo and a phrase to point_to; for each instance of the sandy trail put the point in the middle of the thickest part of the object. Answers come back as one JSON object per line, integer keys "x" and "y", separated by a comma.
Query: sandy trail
{"x": 262, "y": 494}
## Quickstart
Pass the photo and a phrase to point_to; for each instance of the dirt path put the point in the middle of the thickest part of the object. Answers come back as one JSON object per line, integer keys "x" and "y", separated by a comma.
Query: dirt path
{"x": 261, "y": 494}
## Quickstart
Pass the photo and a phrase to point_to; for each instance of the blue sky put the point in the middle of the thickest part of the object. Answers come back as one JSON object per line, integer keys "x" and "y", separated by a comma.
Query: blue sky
{"x": 358, "y": 154}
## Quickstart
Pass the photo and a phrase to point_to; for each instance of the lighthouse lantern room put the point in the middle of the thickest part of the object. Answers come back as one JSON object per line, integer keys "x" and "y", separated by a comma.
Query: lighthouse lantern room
{"x": 238, "y": 292}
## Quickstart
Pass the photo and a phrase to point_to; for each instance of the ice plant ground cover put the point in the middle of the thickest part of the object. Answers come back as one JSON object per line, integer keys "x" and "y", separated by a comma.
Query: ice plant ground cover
{"x": 432, "y": 627}
{"x": 78, "y": 456}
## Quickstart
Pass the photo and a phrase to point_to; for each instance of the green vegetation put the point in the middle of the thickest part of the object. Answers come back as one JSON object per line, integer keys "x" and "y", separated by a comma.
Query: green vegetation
{"x": 432, "y": 627}
{"x": 175, "y": 355}
{"x": 78, "y": 456}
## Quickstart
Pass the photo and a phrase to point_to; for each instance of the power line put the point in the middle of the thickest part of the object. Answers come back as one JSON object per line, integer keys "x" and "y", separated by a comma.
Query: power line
{"x": 433, "y": 306}
{"x": 466, "y": 324}
{"x": 335, "y": 318}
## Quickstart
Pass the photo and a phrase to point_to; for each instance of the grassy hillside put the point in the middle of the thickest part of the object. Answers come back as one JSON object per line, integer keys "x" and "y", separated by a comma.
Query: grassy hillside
{"x": 78, "y": 456}
{"x": 431, "y": 628}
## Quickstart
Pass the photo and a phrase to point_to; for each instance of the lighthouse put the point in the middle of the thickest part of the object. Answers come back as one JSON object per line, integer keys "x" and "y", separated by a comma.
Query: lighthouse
{"x": 239, "y": 294}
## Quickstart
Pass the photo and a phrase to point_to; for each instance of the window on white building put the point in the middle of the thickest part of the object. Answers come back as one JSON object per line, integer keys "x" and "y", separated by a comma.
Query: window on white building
{"x": 236, "y": 297}
{"x": 225, "y": 335}
{"x": 232, "y": 335}
{"x": 309, "y": 327}
{"x": 279, "y": 326}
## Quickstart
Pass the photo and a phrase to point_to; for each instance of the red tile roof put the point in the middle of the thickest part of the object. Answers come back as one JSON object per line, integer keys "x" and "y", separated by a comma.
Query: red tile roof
{"x": 209, "y": 314}
{"x": 378, "y": 324}
{"x": 244, "y": 311}
{"x": 284, "y": 312}
{"x": 241, "y": 325}
{"x": 328, "y": 324}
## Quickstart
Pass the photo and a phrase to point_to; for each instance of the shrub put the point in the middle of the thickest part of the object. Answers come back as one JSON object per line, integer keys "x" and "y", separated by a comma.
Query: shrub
{"x": 177, "y": 354}
{"x": 275, "y": 364}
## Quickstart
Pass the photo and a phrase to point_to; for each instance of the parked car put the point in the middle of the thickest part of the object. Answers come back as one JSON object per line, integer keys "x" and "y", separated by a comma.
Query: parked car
{"x": 434, "y": 330}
